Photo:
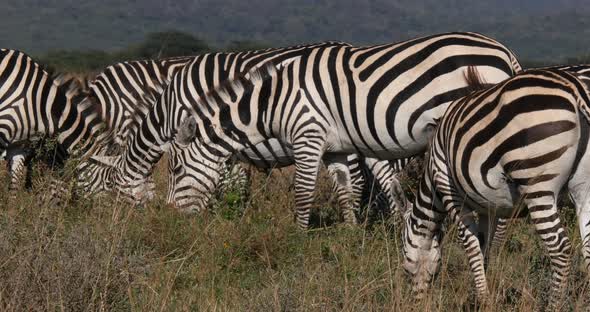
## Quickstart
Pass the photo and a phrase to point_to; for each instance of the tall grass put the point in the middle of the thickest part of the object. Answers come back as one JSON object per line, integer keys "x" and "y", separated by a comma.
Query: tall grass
{"x": 100, "y": 254}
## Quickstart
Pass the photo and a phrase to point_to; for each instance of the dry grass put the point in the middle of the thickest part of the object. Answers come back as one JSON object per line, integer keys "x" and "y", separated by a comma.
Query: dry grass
{"x": 98, "y": 254}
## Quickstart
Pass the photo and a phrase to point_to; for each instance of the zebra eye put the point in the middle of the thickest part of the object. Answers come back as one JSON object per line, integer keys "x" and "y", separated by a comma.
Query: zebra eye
{"x": 177, "y": 170}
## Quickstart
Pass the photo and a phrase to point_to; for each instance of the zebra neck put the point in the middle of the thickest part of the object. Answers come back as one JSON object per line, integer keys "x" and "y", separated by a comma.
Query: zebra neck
{"x": 80, "y": 129}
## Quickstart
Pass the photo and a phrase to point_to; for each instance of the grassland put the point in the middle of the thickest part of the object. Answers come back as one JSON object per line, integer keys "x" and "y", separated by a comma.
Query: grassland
{"x": 99, "y": 254}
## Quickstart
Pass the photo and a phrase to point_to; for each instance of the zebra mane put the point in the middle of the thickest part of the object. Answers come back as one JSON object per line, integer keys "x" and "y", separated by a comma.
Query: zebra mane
{"x": 474, "y": 80}
{"x": 137, "y": 115}
{"x": 291, "y": 47}
{"x": 72, "y": 85}
{"x": 48, "y": 70}
{"x": 241, "y": 82}
{"x": 87, "y": 79}
{"x": 584, "y": 77}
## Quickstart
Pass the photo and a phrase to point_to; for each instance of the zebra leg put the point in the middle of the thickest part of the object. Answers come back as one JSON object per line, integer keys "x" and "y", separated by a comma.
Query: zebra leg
{"x": 357, "y": 181}
{"x": 542, "y": 207}
{"x": 468, "y": 235}
{"x": 235, "y": 177}
{"x": 422, "y": 237}
{"x": 581, "y": 199}
{"x": 383, "y": 176}
{"x": 307, "y": 151}
{"x": 500, "y": 233}
{"x": 340, "y": 173}
{"x": 244, "y": 181}
{"x": 17, "y": 170}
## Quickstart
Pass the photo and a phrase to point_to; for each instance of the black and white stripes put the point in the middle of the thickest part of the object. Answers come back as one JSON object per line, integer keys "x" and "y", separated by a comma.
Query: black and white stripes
{"x": 213, "y": 69}
{"x": 125, "y": 92}
{"x": 520, "y": 141}
{"x": 357, "y": 182}
{"x": 34, "y": 105}
{"x": 128, "y": 90}
{"x": 377, "y": 101}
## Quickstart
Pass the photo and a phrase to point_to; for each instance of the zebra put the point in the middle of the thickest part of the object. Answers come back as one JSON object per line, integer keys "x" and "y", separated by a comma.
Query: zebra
{"x": 116, "y": 94}
{"x": 520, "y": 141}
{"x": 33, "y": 105}
{"x": 128, "y": 89}
{"x": 124, "y": 91}
{"x": 215, "y": 68}
{"x": 332, "y": 101}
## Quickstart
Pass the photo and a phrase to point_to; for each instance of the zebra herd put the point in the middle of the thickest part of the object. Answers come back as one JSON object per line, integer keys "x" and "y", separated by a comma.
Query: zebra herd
{"x": 495, "y": 136}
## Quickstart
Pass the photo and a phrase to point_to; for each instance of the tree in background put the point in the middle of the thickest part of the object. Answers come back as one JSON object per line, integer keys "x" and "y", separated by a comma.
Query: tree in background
{"x": 76, "y": 61}
{"x": 155, "y": 45}
{"x": 246, "y": 45}
{"x": 167, "y": 44}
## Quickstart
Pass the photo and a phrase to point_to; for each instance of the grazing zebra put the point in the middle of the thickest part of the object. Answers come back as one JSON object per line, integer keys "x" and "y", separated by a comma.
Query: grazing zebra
{"x": 331, "y": 101}
{"x": 112, "y": 80}
{"x": 215, "y": 68}
{"x": 116, "y": 93}
{"x": 125, "y": 91}
{"x": 35, "y": 105}
{"x": 129, "y": 89}
{"x": 520, "y": 141}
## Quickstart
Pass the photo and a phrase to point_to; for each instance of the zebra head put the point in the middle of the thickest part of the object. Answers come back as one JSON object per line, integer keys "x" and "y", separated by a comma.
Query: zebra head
{"x": 422, "y": 254}
{"x": 421, "y": 237}
{"x": 194, "y": 173}
{"x": 100, "y": 174}
{"x": 218, "y": 126}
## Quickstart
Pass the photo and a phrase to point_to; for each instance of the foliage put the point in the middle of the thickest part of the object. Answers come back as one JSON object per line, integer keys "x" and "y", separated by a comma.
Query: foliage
{"x": 245, "y": 45}
{"x": 167, "y": 44}
{"x": 155, "y": 45}
{"x": 77, "y": 61}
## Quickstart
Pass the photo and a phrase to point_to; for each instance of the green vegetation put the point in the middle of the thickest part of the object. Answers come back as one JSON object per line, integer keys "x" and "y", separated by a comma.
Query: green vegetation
{"x": 155, "y": 45}
{"x": 176, "y": 43}
{"x": 98, "y": 254}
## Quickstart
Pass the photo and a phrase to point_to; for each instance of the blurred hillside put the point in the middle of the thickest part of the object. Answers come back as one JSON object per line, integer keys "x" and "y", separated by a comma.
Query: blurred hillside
{"x": 541, "y": 30}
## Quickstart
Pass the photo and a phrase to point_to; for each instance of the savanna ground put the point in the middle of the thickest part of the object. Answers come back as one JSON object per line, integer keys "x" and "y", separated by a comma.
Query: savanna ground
{"x": 99, "y": 254}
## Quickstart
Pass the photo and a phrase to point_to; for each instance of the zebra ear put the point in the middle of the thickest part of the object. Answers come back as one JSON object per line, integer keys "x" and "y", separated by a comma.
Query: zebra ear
{"x": 400, "y": 199}
{"x": 431, "y": 129}
{"x": 187, "y": 132}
